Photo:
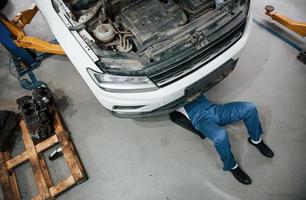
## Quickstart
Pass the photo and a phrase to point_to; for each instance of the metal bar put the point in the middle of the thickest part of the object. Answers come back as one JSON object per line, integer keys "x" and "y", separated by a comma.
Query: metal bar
{"x": 279, "y": 36}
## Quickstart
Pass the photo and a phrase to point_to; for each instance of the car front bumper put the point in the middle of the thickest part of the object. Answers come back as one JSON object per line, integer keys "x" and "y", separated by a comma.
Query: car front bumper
{"x": 197, "y": 88}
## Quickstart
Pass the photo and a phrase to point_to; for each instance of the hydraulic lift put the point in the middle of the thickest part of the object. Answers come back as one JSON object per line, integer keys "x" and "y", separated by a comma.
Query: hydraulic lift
{"x": 26, "y": 52}
{"x": 295, "y": 26}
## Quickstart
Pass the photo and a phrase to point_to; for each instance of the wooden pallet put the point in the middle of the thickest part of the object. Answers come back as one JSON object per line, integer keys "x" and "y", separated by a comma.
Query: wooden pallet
{"x": 33, "y": 154}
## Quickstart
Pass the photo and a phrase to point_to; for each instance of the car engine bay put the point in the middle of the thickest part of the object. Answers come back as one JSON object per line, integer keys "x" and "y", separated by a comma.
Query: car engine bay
{"x": 160, "y": 39}
{"x": 133, "y": 25}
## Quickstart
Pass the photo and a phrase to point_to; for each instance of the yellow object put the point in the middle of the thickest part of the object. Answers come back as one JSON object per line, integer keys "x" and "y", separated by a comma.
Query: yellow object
{"x": 298, "y": 27}
{"x": 22, "y": 40}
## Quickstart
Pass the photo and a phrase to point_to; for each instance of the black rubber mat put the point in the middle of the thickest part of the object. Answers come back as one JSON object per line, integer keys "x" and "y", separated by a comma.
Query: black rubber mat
{"x": 8, "y": 123}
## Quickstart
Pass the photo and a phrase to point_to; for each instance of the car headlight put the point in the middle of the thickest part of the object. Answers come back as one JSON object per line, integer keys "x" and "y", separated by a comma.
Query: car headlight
{"x": 115, "y": 83}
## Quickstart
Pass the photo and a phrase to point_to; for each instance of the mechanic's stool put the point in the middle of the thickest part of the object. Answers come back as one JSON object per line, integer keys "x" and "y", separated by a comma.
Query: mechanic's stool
{"x": 33, "y": 154}
{"x": 184, "y": 122}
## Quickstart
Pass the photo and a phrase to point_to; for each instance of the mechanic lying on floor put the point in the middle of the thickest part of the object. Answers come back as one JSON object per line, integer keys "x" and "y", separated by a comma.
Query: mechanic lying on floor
{"x": 208, "y": 118}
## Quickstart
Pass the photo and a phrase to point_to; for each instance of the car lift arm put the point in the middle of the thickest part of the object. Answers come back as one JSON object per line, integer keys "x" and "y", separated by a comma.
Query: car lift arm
{"x": 25, "y": 17}
{"x": 22, "y": 40}
{"x": 295, "y": 26}
{"x": 298, "y": 27}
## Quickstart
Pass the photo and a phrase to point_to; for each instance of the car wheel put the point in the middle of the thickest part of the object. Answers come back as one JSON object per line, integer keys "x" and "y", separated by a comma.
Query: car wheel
{"x": 3, "y": 3}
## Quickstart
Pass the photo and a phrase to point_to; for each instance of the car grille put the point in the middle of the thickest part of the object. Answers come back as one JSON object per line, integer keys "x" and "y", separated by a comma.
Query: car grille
{"x": 177, "y": 71}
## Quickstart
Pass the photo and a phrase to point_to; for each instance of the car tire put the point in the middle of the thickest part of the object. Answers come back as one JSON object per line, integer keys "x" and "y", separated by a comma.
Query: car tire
{"x": 3, "y": 3}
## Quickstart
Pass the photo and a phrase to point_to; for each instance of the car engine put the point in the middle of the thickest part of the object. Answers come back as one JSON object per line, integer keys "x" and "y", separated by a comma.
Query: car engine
{"x": 134, "y": 25}
{"x": 148, "y": 20}
{"x": 37, "y": 111}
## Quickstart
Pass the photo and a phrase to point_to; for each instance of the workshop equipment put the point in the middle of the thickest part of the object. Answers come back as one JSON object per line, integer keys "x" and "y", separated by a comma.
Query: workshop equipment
{"x": 33, "y": 153}
{"x": 295, "y": 26}
{"x": 298, "y": 27}
{"x": 27, "y": 52}
{"x": 37, "y": 111}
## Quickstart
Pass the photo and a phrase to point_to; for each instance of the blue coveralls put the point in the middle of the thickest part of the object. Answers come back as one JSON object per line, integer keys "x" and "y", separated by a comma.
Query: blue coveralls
{"x": 208, "y": 118}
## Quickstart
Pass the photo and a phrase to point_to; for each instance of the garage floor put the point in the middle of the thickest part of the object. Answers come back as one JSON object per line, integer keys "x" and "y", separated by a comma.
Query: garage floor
{"x": 155, "y": 159}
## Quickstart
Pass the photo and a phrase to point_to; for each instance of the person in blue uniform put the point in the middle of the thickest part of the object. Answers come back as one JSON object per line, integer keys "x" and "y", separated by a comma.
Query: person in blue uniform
{"x": 208, "y": 118}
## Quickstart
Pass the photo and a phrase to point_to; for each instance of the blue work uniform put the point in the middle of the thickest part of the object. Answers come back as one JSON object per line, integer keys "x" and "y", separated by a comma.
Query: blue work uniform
{"x": 208, "y": 118}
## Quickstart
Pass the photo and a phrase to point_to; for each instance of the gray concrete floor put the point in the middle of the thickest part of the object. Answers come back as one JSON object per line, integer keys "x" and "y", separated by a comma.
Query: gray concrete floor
{"x": 155, "y": 159}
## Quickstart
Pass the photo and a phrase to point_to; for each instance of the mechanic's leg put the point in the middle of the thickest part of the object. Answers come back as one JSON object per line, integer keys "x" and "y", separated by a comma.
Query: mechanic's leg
{"x": 220, "y": 139}
{"x": 236, "y": 111}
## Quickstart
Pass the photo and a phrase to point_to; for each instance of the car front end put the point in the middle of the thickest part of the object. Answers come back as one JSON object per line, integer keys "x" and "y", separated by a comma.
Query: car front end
{"x": 144, "y": 58}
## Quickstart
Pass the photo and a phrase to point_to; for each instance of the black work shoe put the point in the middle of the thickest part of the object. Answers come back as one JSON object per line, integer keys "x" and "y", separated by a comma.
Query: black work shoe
{"x": 263, "y": 148}
{"x": 241, "y": 176}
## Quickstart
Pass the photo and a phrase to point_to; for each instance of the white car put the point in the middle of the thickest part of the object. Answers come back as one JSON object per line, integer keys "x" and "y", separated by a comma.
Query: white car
{"x": 146, "y": 57}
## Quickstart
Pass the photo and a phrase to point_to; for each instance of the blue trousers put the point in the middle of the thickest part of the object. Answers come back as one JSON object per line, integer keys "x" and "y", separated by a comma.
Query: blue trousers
{"x": 220, "y": 115}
